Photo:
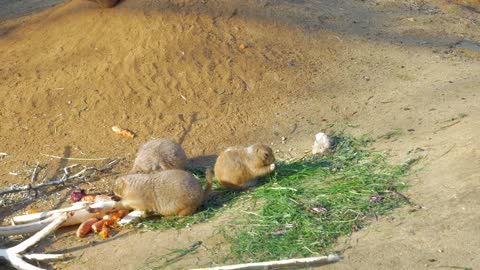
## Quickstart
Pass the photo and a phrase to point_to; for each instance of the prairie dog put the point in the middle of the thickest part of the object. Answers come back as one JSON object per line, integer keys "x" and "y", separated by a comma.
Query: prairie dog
{"x": 168, "y": 193}
{"x": 157, "y": 155}
{"x": 471, "y": 4}
{"x": 105, "y": 3}
{"x": 238, "y": 167}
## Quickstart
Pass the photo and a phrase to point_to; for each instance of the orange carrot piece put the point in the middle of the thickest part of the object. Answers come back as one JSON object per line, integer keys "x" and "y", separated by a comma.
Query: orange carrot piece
{"x": 86, "y": 227}
{"x": 97, "y": 226}
{"x": 89, "y": 198}
{"x": 104, "y": 233}
{"x": 124, "y": 132}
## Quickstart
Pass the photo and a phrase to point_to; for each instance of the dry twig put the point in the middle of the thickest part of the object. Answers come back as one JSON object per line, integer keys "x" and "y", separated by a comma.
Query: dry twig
{"x": 81, "y": 175}
{"x": 70, "y": 158}
{"x": 34, "y": 174}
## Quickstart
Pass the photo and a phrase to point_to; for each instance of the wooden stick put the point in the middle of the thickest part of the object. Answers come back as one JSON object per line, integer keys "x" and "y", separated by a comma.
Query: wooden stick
{"x": 45, "y": 257}
{"x": 34, "y": 174}
{"x": 18, "y": 263}
{"x": 40, "y": 235}
{"x": 26, "y": 228}
{"x": 105, "y": 205}
{"x": 283, "y": 264}
{"x": 73, "y": 218}
{"x": 42, "y": 215}
{"x": 13, "y": 255}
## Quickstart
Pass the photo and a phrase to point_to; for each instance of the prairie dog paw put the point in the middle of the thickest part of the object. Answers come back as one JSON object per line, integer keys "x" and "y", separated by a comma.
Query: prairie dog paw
{"x": 272, "y": 166}
{"x": 132, "y": 217}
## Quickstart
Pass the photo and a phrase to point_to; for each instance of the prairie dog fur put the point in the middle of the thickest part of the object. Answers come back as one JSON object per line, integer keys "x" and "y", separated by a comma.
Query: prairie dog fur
{"x": 238, "y": 167}
{"x": 105, "y": 3}
{"x": 167, "y": 193}
{"x": 157, "y": 155}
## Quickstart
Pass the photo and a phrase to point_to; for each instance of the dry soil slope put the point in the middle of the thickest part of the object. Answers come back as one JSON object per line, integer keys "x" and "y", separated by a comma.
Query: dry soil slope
{"x": 174, "y": 69}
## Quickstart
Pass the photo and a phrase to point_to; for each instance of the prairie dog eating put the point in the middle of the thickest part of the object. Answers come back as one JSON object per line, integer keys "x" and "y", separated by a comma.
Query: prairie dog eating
{"x": 167, "y": 193}
{"x": 157, "y": 155}
{"x": 238, "y": 167}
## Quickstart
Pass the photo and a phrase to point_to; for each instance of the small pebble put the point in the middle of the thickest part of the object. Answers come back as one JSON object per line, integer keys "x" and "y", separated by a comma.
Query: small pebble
{"x": 377, "y": 198}
{"x": 321, "y": 144}
{"x": 318, "y": 209}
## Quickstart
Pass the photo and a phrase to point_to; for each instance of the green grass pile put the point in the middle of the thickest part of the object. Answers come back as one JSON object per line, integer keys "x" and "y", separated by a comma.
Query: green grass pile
{"x": 303, "y": 207}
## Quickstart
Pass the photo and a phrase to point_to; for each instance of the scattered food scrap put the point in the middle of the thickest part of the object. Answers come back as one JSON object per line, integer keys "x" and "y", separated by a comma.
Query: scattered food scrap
{"x": 124, "y": 132}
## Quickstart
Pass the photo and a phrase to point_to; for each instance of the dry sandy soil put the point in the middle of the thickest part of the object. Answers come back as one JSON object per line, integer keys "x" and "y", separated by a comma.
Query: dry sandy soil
{"x": 173, "y": 68}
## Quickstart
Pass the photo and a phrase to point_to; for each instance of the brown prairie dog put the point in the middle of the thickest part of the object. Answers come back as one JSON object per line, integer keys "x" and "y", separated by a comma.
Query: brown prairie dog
{"x": 167, "y": 193}
{"x": 472, "y": 4}
{"x": 105, "y": 3}
{"x": 157, "y": 155}
{"x": 238, "y": 167}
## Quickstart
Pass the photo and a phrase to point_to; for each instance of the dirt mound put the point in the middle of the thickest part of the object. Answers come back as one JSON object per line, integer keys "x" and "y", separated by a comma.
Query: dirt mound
{"x": 176, "y": 69}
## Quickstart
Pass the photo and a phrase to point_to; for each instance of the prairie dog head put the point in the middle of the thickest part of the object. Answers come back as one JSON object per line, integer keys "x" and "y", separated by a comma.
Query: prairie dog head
{"x": 159, "y": 155}
{"x": 105, "y": 3}
{"x": 119, "y": 186}
{"x": 262, "y": 153}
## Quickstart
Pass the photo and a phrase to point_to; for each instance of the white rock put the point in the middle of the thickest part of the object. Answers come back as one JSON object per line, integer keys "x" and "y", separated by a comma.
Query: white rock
{"x": 321, "y": 144}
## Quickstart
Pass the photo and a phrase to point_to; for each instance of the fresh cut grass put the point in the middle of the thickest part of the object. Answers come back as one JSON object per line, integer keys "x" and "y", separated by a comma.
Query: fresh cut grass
{"x": 302, "y": 208}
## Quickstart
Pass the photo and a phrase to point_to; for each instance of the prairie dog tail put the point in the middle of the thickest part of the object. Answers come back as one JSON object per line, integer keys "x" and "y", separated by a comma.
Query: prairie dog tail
{"x": 208, "y": 187}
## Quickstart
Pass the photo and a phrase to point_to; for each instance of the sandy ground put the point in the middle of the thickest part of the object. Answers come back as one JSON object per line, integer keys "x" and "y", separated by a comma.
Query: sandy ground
{"x": 173, "y": 68}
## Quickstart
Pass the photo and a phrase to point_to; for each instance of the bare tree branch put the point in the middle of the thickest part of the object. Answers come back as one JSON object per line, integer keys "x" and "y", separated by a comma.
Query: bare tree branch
{"x": 81, "y": 175}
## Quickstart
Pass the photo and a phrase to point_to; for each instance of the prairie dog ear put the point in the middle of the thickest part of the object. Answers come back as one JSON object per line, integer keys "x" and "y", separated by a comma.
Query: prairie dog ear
{"x": 258, "y": 148}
